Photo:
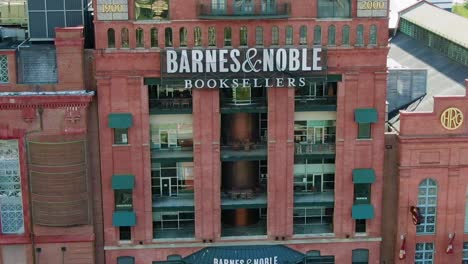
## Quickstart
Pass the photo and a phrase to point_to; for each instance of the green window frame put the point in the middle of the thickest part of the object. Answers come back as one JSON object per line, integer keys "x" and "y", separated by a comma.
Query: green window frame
{"x": 183, "y": 36}
{"x": 227, "y": 36}
{"x": 120, "y": 136}
{"x": 211, "y": 36}
{"x": 275, "y": 35}
{"x": 331, "y": 35}
{"x": 360, "y": 256}
{"x": 362, "y": 193}
{"x": 334, "y": 9}
{"x": 259, "y": 36}
{"x": 303, "y": 35}
{"x": 364, "y": 131}
{"x": 168, "y": 37}
{"x": 110, "y": 41}
{"x": 360, "y": 35}
{"x": 345, "y": 36}
{"x": 373, "y": 35}
{"x": 317, "y": 35}
{"x": 125, "y": 42}
{"x": 154, "y": 37}
{"x": 289, "y": 35}
{"x": 243, "y": 36}
{"x": 139, "y": 37}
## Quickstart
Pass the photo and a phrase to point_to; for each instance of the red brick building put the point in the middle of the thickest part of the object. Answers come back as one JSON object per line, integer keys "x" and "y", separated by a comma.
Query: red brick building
{"x": 287, "y": 159}
{"x": 47, "y": 158}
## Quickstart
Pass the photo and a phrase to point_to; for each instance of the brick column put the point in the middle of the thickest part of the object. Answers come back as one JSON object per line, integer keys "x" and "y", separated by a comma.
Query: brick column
{"x": 207, "y": 163}
{"x": 69, "y": 43}
{"x": 280, "y": 162}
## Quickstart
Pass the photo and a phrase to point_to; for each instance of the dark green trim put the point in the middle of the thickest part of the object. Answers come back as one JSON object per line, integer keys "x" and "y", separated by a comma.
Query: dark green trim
{"x": 334, "y": 78}
{"x": 120, "y": 120}
{"x": 124, "y": 218}
{"x": 173, "y": 208}
{"x": 363, "y": 211}
{"x": 126, "y": 260}
{"x": 299, "y": 157}
{"x": 363, "y": 176}
{"x": 244, "y": 109}
{"x": 314, "y": 107}
{"x": 171, "y": 159}
{"x": 365, "y": 115}
{"x": 152, "y": 81}
{"x": 123, "y": 182}
{"x": 171, "y": 111}
{"x": 246, "y": 206}
{"x": 314, "y": 204}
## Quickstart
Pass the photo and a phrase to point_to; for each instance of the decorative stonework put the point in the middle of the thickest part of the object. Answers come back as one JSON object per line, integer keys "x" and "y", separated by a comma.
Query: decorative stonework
{"x": 28, "y": 114}
{"x": 72, "y": 114}
{"x": 451, "y": 118}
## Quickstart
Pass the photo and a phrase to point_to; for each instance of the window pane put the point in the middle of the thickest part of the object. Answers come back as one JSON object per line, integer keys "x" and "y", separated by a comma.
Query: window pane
{"x": 259, "y": 36}
{"x": 139, "y": 38}
{"x": 110, "y": 39}
{"x": 317, "y": 35}
{"x": 197, "y": 34}
{"x": 303, "y": 36}
{"x": 183, "y": 37}
{"x": 289, "y": 35}
{"x": 211, "y": 36}
{"x": 345, "y": 38}
{"x": 427, "y": 203}
{"x": 243, "y": 36}
{"x": 147, "y": 10}
{"x": 120, "y": 135}
{"x": 123, "y": 199}
{"x": 125, "y": 38}
{"x": 168, "y": 37}
{"x": 364, "y": 130}
{"x": 227, "y": 36}
{"x": 154, "y": 38}
{"x": 360, "y": 35}
{"x": 327, "y": 8}
{"x": 331, "y": 35}
{"x": 373, "y": 35}
{"x": 275, "y": 36}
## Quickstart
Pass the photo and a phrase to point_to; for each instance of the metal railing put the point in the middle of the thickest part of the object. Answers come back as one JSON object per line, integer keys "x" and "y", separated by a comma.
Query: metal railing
{"x": 253, "y": 101}
{"x": 171, "y": 103}
{"x": 311, "y": 148}
{"x": 250, "y": 9}
{"x": 312, "y": 99}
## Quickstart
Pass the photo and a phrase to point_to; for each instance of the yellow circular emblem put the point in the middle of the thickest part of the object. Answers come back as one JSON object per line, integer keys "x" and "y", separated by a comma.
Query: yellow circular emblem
{"x": 451, "y": 118}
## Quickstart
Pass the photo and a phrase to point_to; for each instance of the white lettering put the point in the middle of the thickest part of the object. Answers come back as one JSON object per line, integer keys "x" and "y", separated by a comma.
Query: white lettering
{"x": 184, "y": 63}
{"x": 294, "y": 63}
{"x": 171, "y": 61}
{"x": 279, "y": 82}
{"x": 199, "y": 83}
{"x": 245, "y": 82}
{"x": 212, "y": 82}
{"x": 197, "y": 59}
{"x": 301, "y": 82}
{"x": 215, "y": 261}
{"x": 316, "y": 59}
{"x": 268, "y": 61}
{"x": 291, "y": 82}
{"x": 235, "y": 83}
{"x": 281, "y": 60}
{"x": 188, "y": 84}
{"x": 210, "y": 60}
{"x": 235, "y": 67}
{"x": 223, "y": 60}
{"x": 276, "y": 260}
{"x": 304, "y": 61}
{"x": 223, "y": 84}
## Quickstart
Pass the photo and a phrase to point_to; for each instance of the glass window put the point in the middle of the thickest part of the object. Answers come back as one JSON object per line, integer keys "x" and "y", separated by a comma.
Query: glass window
{"x": 259, "y": 36}
{"x": 168, "y": 37}
{"x": 427, "y": 204}
{"x": 360, "y": 35}
{"x": 317, "y": 35}
{"x": 11, "y": 202}
{"x": 110, "y": 38}
{"x": 120, "y": 136}
{"x": 183, "y": 36}
{"x": 345, "y": 37}
{"x": 424, "y": 253}
{"x": 150, "y": 10}
{"x": 465, "y": 253}
{"x": 139, "y": 38}
{"x": 123, "y": 200}
{"x": 362, "y": 193}
{"x": 218, "y": 6}
{"x": 373, "y": 35}
{"x": 197, "y": 36}
{"x": 364, "y": 130}
{"x": 243, "y": 36}
{"x": 360, "y": 226}
{"x": 312, "y": 220}
{"x": 289, "y": 35}
{"x": 268, "y": 6}
{"x": 303, "y": 35}
{"x": 243, "y": 7}
{"x": 154, "y": 38}
{"x": 466, "y": 212}
{"x": 274, "y": 35}
{"x": 125, "y": 38}
{"x": 172, "y": 179}
{"x": 331, "y": 35}
{"x": 211, "y": 36}
{"x": 313, "y": 176}
{"x": 227, "y": 36}
{"x": 173, "y": 224}
{"x": 125, "y": 233}
{"x": 334, "y": 8}
{"x": 360, "y": 256}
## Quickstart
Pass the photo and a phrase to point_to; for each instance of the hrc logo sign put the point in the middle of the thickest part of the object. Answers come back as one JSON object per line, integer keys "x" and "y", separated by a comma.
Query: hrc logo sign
{"x": 451, "y": 118}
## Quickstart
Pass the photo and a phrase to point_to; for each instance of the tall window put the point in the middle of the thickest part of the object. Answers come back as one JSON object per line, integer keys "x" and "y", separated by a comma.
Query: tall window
{"x": 360, "y": 256}
{"x": 243, "y": 36}
{"x": 334, "y": 8}
{"x": 274, "y": 35}
{"x": 331, "y": 35}
{"x": 211, "y": 36}
{"x": 364, "y": 130}
{"x": 183, "y": 36}
{"x": 110, "y": 39}
{"x": 259, "y": 36}
{"x": 289, "y": 35}
{"x": 150, "y": 10}
{"x": 154, "y": 37}
{"x": 303, "y": 35}
{"x": 427, "y": 203}
{"x": 345, "y": 37}
{"x": 125, "y": 38}
{"x": 227, "y": 36}
{"x": 317, "y": 35}
{"x": 242, "y": 7}
{"x": 168, "y": 37}
{"x": 218, "y": 6}
{"x": 139, "y": 38}
{"x": 268, "y": 6}
{"x": 120, "y": 136}
{"x": 11, "y": 202}
{"x": 465, "y": 253}
{"x": 373, "y": 35}
{"x": 424, "y": 253}
{"x": 360, "y": 35}
{"x": 197, "y": 36}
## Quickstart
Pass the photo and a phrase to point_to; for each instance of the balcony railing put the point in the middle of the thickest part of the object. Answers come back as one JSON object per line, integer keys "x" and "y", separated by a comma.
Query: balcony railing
{"x": 321, "y": 103}
{"x": 251, "y": 105}
{"x": 302, "y": 148}
{"x": 171, "y": 105}
{"x": 245, "y": 10}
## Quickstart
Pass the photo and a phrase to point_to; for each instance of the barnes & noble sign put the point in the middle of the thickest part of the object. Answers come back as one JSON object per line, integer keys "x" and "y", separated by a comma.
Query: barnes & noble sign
{"x": 232, "y": 68}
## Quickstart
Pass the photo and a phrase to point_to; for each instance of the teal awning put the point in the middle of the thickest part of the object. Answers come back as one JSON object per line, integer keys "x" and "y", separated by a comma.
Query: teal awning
{"x": 365, "y": 115}
{"x": 120, "y": 120}
{"x": 363, "y": 176}
{"x": 123, "y": 182}
{"x": 124, "y": 218}
{"x": 363, "y": 211}
{"x": 126, "y": 260}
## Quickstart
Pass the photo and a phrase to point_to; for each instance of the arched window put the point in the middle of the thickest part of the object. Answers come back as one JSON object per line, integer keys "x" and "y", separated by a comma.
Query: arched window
{"x": 243, "y": 36}
{"x": 427, "y": 204}
{"x": 373, "y": 35}
{"x": 360, "y": 35}
{"x": 317, "y": 35}
{"x": 168, "y": 37}
{"x": 183, "y": 36}
{"x": 124, "y": 37}
{"x": 197, "y": 36}
{"x": 289, "y": 35}
{"x": 360, "y": 256}
{"x": 303, "y": 35}
{"x": 139, "y": 38}
{"x": 259, "y": 36}
{"x": 345, "y": 37}
{"x": 227, "y": 36}
{"x": 211, "y": 36}
{"x": 331, "y": 35}
{"x": 111, "y": 38}
{"x": 274, "y": 35}
{"x": 154, "y": 37}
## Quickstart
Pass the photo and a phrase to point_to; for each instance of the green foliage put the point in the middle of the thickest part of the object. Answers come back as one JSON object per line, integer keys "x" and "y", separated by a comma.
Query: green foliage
{"x": 461, "y": 9}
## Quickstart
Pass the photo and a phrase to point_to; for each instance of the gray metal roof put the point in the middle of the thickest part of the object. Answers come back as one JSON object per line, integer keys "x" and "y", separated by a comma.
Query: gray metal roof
{"x": 444, "y": 76}
{"x": 446, "y": 24}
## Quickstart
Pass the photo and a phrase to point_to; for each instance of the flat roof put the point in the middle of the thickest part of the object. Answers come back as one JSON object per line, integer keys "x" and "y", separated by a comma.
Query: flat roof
{"x": 446, "y": 24}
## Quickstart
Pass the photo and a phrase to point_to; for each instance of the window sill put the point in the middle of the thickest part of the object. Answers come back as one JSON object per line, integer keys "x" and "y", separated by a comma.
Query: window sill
{"x": 360, "y": 234}
{"x": 121, "y": 145}
{"x": 320, "y": 235}
{"x": 334, "y": 19}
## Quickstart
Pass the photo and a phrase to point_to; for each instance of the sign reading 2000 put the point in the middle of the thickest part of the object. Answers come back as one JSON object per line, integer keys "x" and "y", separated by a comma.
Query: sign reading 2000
{"x": 222, "y": 68}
